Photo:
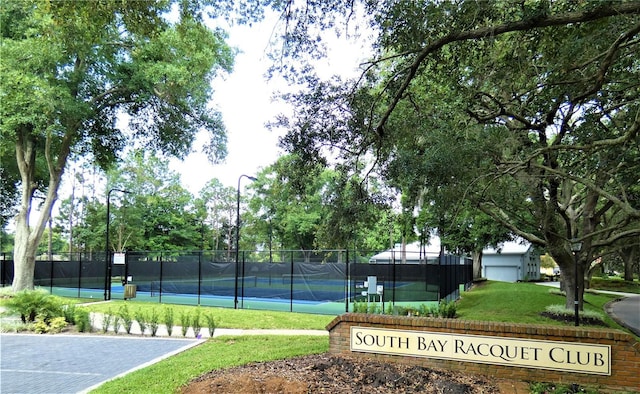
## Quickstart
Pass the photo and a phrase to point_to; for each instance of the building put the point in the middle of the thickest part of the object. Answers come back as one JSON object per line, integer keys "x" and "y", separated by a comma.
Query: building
{"x": 412, "y": 253}
{"x": 512, "y": 261}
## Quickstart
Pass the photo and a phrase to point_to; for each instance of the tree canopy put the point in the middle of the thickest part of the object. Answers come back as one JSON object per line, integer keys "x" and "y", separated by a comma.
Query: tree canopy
{"x": 525, "y": 112}
{"x": 71, "y": 70}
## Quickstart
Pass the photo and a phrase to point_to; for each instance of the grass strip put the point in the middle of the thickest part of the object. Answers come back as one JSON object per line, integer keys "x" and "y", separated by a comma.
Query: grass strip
{"x": 227, "y": 317}
{"x": 169, "y": 375}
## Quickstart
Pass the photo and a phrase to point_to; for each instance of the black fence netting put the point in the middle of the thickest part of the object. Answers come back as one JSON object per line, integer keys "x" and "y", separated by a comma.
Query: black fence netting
{"x": 310, "y": 281}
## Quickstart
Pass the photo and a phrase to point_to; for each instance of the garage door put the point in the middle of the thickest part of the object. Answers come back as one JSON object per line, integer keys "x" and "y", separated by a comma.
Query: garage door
{"x": 502, "y": 273}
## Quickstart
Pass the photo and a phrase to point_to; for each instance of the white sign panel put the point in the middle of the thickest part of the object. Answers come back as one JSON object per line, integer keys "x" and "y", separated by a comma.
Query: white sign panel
{"x": 517, "y": 352}
{"x": 118, "y": 258}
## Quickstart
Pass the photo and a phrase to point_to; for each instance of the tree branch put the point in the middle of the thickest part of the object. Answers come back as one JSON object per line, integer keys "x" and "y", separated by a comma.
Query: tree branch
{"x": 610, "y": 9}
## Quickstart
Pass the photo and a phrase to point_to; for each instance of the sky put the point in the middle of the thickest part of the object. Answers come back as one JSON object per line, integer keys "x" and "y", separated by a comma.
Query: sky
{"x": 244, "y": 97}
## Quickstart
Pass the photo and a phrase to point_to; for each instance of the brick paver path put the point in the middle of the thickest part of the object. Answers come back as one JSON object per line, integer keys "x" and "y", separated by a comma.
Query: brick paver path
{"x": 75, "y": 363}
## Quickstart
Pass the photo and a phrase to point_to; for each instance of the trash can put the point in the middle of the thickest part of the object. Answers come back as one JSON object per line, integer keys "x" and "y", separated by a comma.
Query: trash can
{"x": 129, "y": 291}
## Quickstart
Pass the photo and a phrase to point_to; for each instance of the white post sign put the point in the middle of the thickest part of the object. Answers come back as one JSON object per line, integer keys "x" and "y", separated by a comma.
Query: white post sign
{"x": 118, "y": 258}
{"x": 517, "y": 352}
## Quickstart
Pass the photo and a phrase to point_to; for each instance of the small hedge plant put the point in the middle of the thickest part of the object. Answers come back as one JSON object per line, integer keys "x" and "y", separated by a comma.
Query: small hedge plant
{"x": 47, "y": 313}
{"x": 444, "y": 309}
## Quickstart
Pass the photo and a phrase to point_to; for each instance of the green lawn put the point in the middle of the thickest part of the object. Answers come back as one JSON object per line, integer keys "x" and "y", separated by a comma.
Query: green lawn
{"x": 222, "y": 352}
{"x": 615, "y": 284}
{"x": 520, "y": 303}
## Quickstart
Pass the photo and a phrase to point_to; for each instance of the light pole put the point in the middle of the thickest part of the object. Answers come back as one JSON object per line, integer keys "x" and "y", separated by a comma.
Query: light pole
{"x": 575, "y": 248}
{"x": 235, "y": 297}
{"x": 107, "y": 255}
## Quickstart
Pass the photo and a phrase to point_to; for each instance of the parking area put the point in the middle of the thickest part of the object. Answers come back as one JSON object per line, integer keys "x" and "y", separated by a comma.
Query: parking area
{"x": 76, "y": 363}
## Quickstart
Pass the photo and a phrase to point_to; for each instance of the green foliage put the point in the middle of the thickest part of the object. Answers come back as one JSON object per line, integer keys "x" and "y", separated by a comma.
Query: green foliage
{"x": 82, "y": 320}
{"x": 118, "y": 324}
{"x": 125, "y": 316}
{"x": 360, "y": 307}
{"x": 185, "y": 322}
{"x": 67, "y": 96}
{"x": 107, "y": 321}
{"x": 561, "y": 310}
{"x": 153, "y": 322}
{"x": 141, "y": 318}
{"x": 444, "y": 309}
{"x": 613, "y": 284}
{"x": 547, "y": 261}
{"x": 30, "y": 304}
{"x": 51, "y": 326}
{"x": 235, "y": 318}
{"x": 490, "y": 118}
{"x": 211, "y": 322}
{"x": 69, "y": 313}
{"x": 169, "y": 319}
{"x": 196, "y": 322}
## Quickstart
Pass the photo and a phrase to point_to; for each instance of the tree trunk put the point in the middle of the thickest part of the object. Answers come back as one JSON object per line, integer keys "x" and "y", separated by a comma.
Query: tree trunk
{"x": 569, "y": 277}
{"x": 24, "y": 256}
{"x": 477, "y": 264}
{"x": 629, "y": 256}
{"x": 27, "y": 239}
{"x": 26, "y": 244}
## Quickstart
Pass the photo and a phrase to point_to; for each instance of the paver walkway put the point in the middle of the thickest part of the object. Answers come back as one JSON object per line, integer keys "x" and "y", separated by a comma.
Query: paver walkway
{"x": 37, "y": 364}
{"x": 34, "y": 364}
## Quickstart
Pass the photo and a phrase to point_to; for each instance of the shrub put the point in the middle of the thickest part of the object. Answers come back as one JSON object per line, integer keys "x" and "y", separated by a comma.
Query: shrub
{"x": 107, "y": 320}
{"x": 52, "y": 326}
{"x": 154, "y": 321}
{"x": 82, "y": 320}
{"x": 168, "y": 319}
{"x": 30, "y": 304}
{"x": 444, "y": 309}
{"x": 196, "y": 323}
{"x": 373, "y": 308}
{"x": 360, "y": 307}
{"x": 57, "y": 324}
{"x": 69, "y": 313}
{"x": 40, "y": 326}
{"x": 117, "y": 324}
{"x": 185, "y": 321}
{"x": 141, "y": 318}
{"x": 211, "y": 323}
{"x": 125, "y": 318}
{"x": 591, "y": 317}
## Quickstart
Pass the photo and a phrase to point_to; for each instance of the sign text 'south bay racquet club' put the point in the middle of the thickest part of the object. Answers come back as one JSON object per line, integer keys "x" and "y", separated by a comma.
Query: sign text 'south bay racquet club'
{"x": 517, "y": 352}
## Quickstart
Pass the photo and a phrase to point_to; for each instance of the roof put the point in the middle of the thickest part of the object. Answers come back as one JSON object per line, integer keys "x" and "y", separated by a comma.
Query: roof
{"x": 519, "y": 246}
{"x": 414, "y": 251}
{"x": 432, "y": 248}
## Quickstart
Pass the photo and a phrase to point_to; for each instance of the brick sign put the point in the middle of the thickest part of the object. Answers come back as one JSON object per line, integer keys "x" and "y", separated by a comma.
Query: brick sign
{"x": 554, "y": 355}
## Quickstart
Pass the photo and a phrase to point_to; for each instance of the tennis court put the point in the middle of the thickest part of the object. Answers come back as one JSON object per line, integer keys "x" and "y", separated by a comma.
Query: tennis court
{"x": 325, "y": 284}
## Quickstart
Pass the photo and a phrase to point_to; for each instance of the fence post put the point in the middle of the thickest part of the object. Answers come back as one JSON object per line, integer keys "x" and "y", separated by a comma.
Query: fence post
{"x": 347, "y": 283}
{"x": 242, "y": 291}
{"x": 199, "y": 275}
{"x": 393, "y": 294}
{"x": 160, "y": 284}
{"x": 79, "y": 273}
{"x": 51, "y": 274}
{"x": 291, "y": 284}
